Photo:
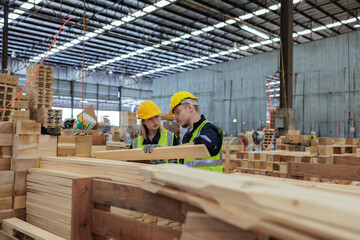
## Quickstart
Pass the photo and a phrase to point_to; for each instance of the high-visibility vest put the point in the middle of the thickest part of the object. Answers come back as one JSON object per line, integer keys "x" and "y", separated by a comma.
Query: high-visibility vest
{"x": 213, "y": 163}
{"x": 166, "y": 139}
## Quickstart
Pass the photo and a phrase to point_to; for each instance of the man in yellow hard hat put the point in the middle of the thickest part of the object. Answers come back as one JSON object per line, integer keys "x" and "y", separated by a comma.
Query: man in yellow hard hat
{"x": 152, "y": 134}
{"x": 184, "y": 106}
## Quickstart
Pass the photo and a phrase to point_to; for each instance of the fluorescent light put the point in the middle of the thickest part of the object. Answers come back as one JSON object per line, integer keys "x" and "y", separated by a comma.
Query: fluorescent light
{"x": 319, "y": 28}
{"x": 349, "y": 21}
{"x": 297, "y": 1}
{"x": 165, "y": 43}
{"x": 18, "y": 11}
{"x": 76, "y": 41}
{"x": 148, "y": 48}
{"x": 254, "y": 45}
{"x": 208, "y": 29}
{"x": 275, "y": 7}
{"x": 185, "y": 36}
{"x": 128, "y": 18}
{"x": 333, "y": 25}
{"x": 230, "y": 21}
{"x": 198, "y": 32}
{"x": 177, "y": 39}
{"x": 27, "y": 5}
{"x": 91, "y": 34}
{"x": 140, "y": 51}
{"x": 108, "y": 27}
{"x": 266, "y": 42}
{"x": 254, "y": 31}
{"x": 261, "y": 12}
{"x": 139, "y": 14}
{"x": 220, "y": 25}
{"x": 246, "y": 16}
{"x": 243, "y": 48}
{"x": 13, "y": 15}
{"x": 307, "y": 31}
{"x": 214, "y": 55}
{"x": 99, "y": 30}
{"x": 162, "y": 3}
{"x": 117, "y": 23}
{"x": 357, "y": 25}
{"x": 149, "y": 9}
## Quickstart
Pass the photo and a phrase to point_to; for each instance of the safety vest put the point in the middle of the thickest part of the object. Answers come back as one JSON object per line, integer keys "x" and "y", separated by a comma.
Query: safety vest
{"x": 166, "y": 139}
{"x": 213, "y": 163}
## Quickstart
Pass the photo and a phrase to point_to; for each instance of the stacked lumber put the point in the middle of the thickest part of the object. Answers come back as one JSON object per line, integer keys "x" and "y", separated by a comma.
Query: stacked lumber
{"x": 80, "y": 146}
{"x": 294, "y": 141}
{"x": 269, "y": 163}
{"x": 40, "y": 92}
{"x": 25, "y": 154}
{"x": 127, "y": 118}
{"x": 115, "y": 132}
{"x": 6, "y": 194}
{"x": 8, "y": 87}
{"x": 50, "y": 118}
{"x": 116, "y": 145}
{"x": 74, "y": 131}
{"x": 49, "y": 198}
{"x": 147, "y": 218}
{"x": 120, "y": 171}
{"x": 15, "y": 227}
{"x": 20, "y": 109}
{"x": 48, "y": 145}
{"x": 6, "y": 176}
{"x": 268, "y": 137}
{"x": 279, "y": 209}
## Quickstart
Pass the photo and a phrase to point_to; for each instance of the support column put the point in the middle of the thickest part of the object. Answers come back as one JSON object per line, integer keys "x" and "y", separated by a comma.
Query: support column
{"x": 119, "y": 96}
{"x": 72, "y": 98}
{"x": 286, "y": 61}
{"x": 4, "y": 55}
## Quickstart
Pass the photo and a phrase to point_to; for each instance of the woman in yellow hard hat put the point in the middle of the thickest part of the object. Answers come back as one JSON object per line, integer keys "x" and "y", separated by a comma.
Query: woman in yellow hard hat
{"x": 184, "y": 106}
{"x": 152, "y": 134}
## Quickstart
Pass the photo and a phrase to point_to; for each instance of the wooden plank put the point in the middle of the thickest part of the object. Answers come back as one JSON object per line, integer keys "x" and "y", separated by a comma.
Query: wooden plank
{"x": 6, "y": 236}
{"x": 7, "y": 177}
{"x": 29, "y": 230}
{"x": 178, "y": 152}
{"x": 6, "y": 127}
{"x": 28, "y": 128}
{"x": 48, "y": 145}
{"x": 199, "y": 226}
{"x": 83, "y": 146}
{"x": 347, "y": 160}
{"x": 227, "y": 158}
{"x": 324, "y": 171}
{"x": 66, "y": 139}
{"x": 134, "y": 198}
{"x": 23, "y": 164}
{"x": 111, "y": 225}
{"x": 81, "y": 209}
{"x": 245, "y": 202}
{"x": 6, "y": 140}
{"x": 19, "y": 202}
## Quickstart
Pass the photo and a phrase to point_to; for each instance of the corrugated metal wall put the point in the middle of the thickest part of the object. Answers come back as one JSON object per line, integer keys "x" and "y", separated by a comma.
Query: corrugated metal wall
{"x": 327, "y": 87}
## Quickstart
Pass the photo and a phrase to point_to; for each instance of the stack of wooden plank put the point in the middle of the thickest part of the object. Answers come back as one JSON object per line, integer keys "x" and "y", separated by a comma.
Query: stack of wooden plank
{"x": 80, "y": 146}
{"x": 294, "y": 141}
{"x": 270, "y": 163}
{"x": 6, "y": 176}
{"x": 127, "y": 118}
{"x": 20, "y": 110}
{"x": 25, "y": 154}
{"x": 268, "y": 137}
{"x": 279, "y": 209}
{"x": 40, "y": 92}
{"x": 49, "y": 197}
{"x": 48, "y": 145}
{"x": 8, "y": 87}
{"x": 48, "y": 117}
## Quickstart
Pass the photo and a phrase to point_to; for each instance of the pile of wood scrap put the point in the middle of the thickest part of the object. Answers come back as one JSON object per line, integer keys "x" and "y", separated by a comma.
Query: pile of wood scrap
{"x": 276, "y": 208}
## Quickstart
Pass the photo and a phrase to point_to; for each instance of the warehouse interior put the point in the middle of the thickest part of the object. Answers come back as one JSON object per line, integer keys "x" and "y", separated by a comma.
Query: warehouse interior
{"x": 277, "y": 80}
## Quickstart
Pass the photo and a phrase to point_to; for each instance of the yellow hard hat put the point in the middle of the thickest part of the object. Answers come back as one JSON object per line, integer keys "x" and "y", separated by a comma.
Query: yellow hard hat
{"x": 177, "y": 98}
{"x": 148, "y": 109}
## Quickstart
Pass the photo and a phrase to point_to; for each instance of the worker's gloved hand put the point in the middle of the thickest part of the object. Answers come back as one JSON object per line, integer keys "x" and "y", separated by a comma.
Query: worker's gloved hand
{"x": 157, "y": 161}
{"x": 148, "y": 148}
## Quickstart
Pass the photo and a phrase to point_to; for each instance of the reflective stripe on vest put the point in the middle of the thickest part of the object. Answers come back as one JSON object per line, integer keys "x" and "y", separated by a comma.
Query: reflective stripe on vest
{"x": 213, "y": 163}
{"x": 166, "y": 139}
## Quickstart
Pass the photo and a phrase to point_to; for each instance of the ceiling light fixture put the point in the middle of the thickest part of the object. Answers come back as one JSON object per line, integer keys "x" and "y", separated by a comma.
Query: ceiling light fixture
{"x": 254, "y": 31}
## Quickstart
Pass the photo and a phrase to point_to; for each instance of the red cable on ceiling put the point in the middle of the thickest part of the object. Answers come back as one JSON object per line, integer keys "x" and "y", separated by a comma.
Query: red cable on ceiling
{"x": 37, "y": 67}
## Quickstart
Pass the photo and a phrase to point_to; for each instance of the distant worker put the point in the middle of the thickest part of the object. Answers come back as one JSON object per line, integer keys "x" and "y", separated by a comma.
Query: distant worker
{"x": 184, "y": 106}
{"x": 152, "y": 135}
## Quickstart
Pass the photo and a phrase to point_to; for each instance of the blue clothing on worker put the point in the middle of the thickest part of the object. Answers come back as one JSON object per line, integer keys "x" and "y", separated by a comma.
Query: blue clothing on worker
{"x": 209, "y": 135}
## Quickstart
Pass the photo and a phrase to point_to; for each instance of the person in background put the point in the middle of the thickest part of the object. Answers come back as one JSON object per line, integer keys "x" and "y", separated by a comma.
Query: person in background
{"x": 184, "y": 106}
{"x": 152, "y": 135}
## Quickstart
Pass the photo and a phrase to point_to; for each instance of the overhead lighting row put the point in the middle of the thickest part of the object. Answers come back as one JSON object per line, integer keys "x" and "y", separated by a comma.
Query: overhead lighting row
{"x": 196, "y": 33}
{"x": 108, "y": 27}
{"x": 18, "y": 12}
{"x": 245, "y": 48}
